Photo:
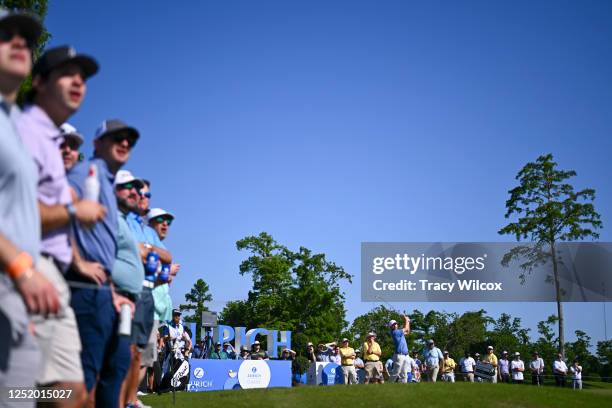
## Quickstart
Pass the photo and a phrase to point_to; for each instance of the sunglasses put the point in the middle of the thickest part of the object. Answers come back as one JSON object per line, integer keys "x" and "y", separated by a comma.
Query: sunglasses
{"x": 74, "y": 146}
{"x": 120, "y": 137}
{"x": 127, "y": 186}
{"x": 8, "y": 33}
{"x": 161, "y": 219}
{"x": 146, "y": 195}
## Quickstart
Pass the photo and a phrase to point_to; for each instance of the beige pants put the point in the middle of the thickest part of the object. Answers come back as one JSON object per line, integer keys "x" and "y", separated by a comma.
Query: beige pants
{"x": 350, "y": 374}
{"x": 432, "y": 373}
{"x": 58, "y": 336}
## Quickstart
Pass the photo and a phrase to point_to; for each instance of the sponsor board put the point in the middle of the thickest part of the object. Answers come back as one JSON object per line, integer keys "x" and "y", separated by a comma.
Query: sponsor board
{"x": 210, "y": 375}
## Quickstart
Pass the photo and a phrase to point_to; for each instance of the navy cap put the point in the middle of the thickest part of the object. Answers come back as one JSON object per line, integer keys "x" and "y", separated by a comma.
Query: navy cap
{"x": 28, "y": 24}
{"x": 58, "y": 56}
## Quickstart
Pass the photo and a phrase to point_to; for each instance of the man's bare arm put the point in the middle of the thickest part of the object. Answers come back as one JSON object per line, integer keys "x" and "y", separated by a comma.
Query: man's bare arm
{"x": 406, "y": 328}
{"x": 38, "y": 294}
{"x": 57, "y": 216}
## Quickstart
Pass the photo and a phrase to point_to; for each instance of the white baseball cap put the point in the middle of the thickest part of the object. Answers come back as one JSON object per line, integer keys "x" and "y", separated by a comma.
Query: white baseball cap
{"x": 70, "y": 132}
{"x": 392, "y": 322}
{"x": 125, "y": 176}
{"x": 158, "y": 212}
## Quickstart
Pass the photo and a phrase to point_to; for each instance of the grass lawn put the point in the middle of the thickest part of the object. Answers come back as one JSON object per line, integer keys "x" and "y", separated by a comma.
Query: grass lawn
{"x": 392, "y": 395}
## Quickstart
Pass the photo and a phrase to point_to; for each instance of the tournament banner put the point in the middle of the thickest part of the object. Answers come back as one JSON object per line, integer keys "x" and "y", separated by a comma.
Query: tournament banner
{"x": 485, "y": 272}
{"x": 213, "y": 375}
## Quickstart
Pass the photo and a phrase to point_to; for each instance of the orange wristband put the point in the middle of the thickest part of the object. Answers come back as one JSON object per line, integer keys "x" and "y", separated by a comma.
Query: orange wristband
{"x": 19, "y": 265}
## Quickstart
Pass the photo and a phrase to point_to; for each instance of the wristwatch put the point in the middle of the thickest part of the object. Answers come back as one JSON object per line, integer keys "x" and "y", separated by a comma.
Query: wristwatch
{"x": 148, "y": 246}
{"x": 71, "y": 211}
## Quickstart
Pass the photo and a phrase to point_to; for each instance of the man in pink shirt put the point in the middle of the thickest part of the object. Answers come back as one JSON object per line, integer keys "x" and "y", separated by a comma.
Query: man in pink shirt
{"x": 58, "y": 90}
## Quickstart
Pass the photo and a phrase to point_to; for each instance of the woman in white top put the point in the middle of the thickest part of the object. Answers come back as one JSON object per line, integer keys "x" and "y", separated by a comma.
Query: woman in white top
{"x": 517, "y": 367}
{"x": 576, "y": 371}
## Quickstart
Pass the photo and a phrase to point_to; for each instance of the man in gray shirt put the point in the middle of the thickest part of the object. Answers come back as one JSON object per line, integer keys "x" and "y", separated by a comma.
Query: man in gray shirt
{"x": 21, "y": 286}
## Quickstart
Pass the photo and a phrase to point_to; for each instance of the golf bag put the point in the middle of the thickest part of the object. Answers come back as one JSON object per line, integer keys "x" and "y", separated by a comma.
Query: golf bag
{"x": 175, "y": 371}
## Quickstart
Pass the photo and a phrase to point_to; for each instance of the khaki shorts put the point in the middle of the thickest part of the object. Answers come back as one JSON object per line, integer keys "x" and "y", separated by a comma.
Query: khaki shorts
{"x": 149, "y": 355}
{"x": 373, "y": 370}
{"x": 19, "y": 355}
{"x": 58, "y": 336}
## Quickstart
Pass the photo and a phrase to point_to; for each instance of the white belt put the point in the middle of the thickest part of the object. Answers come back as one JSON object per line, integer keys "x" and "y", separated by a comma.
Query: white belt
{"x": 148, "y": 284}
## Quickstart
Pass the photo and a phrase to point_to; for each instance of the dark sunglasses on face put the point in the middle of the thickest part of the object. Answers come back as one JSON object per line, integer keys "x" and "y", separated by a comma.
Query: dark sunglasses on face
{"x": 146, "y": 195}
{"x": 8, "y": 33}
{"x": 161, "y": 219}
{"x": 74, "y": 146}
{"x": 119, "y": 138}
{"x": 126, "y": 186}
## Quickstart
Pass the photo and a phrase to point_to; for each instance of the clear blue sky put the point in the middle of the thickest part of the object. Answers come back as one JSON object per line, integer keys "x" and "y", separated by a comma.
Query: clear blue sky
{"x": 331, "y": 123}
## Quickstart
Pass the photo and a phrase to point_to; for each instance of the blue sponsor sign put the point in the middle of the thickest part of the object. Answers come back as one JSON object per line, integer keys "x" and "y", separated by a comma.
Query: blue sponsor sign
{"x": 332, "y": 374}
{"x": 242, "y": 337}
{"x": 210, "y": 375}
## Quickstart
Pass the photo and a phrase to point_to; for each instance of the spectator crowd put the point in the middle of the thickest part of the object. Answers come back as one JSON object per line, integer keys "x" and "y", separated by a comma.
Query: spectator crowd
{"x": 85, "y": 273}
{"x": 430, "y": 364}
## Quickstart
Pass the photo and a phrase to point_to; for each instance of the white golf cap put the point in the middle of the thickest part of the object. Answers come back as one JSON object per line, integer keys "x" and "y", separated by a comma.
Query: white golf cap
{"x": 256, "y": 342}
{"x": 125, "y": 176}
{"x": 158, "y": 212}
{"x": 517, "y": 354}
{"x": 371, "y": 334}
{"x": 70, "y": 132}
{"x": 392, "y": 322}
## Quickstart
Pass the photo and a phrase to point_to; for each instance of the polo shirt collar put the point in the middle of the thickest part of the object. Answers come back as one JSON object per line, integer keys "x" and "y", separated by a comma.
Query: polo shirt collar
{"x": 135, "y": 217}
{"x": 47, "y": 127}
{"x": 8, "y": 107}
{"x": 103, "y": 169}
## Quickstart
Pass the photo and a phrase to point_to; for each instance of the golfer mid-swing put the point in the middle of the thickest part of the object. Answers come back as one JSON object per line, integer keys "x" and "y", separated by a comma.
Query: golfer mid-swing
{"x": 401, "y": 360}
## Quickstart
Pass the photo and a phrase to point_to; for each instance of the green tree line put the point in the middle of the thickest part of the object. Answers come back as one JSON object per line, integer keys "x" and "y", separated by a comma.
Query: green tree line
{"x": 299, "y": 291}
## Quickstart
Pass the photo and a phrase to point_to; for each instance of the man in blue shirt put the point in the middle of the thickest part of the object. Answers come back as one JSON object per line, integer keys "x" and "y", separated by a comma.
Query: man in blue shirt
{"x": 128, "y": 196}
{"x": 433, "y": 359}
{"x": 105, "y": 355}
{"x": 143, "y": 350}
{"x": 401, "y": 360}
